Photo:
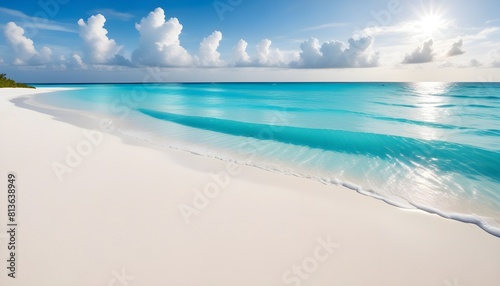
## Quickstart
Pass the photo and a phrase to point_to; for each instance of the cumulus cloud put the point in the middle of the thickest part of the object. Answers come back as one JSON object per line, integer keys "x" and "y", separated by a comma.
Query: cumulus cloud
{"x": 240, "y": 55}
{"x": 456, "y": 49}
{"x": 420, "y": 55}
{"x": 99, "y": 48}
{"x": 310, "y": 54}
{"x": 208, "y": 55}
{"x": 336, "y": 54}
{"x": 267, "y": 56}
{"x": 159, "y": 43}
{"x": 77, "y": 62}
{"x": 475, "y": 63}
{"x": 24, "y": 48}
{"x": 45, "y": 54}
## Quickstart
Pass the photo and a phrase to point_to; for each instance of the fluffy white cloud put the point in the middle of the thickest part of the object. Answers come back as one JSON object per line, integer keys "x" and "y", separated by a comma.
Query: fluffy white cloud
{"x": 159, "y": 43}
{"x": 24, "y": 48}
{"x": 267, "y": 56}
{"x": 77, "y": 62}
{"x": 45, "y": 55}
{"x": 421, "y": 55}
{"x": 335, "y": 54}
{"x": 240, "y": 55}
{"x": 456, "y": 49}
{"x": 99, "y": 48}
{"x": 208, "y": 55}
{"x": 310, "y": 54}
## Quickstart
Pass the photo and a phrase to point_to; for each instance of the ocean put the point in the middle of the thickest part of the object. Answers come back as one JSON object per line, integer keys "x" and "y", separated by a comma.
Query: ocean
{"x": 429, "y": 146}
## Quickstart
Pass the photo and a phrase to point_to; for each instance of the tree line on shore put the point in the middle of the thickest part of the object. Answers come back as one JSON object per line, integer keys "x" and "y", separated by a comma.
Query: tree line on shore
{"x": 7, "y": 82}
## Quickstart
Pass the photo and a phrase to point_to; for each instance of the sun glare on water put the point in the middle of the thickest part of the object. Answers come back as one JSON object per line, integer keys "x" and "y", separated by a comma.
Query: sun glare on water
{"x": 428, "y": 99}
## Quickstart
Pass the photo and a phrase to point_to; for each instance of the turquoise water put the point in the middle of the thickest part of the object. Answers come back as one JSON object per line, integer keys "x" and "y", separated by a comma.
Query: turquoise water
{"x": 432, "y": 146}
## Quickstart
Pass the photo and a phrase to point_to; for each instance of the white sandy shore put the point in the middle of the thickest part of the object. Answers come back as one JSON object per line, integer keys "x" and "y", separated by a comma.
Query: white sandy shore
{"x": 118, "y": 211}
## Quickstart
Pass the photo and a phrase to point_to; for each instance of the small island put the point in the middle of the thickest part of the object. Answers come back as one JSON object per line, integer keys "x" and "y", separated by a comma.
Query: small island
{"x": 7, "y": 82}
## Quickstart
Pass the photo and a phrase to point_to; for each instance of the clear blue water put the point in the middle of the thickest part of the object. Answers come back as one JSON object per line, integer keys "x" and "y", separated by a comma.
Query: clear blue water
{"x": 432, "y": 146}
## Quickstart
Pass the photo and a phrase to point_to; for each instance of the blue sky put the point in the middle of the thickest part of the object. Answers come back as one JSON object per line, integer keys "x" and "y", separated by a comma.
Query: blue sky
{"x": 243, "y": 40}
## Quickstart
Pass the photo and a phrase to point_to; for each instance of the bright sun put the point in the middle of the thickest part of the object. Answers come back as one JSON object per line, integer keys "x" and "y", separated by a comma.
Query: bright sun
{"x": 431, "y": 23}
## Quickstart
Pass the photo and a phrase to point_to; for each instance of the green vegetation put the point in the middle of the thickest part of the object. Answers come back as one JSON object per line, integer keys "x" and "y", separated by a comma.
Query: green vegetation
{"x": 7, "y": 82}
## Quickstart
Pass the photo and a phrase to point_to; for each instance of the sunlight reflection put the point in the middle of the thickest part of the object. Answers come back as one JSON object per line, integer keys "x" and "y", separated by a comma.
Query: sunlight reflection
{"x": 429, "y": 100}
{"x": 430, "y": 88}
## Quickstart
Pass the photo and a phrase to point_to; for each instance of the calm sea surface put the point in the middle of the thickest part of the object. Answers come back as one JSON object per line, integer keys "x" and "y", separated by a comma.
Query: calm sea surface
{"x": 433, "y": 146}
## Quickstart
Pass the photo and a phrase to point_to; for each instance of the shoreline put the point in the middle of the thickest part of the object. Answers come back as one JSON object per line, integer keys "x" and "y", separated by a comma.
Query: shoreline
{"x": 86, "y": 120}
{"x": 278, "y": 218}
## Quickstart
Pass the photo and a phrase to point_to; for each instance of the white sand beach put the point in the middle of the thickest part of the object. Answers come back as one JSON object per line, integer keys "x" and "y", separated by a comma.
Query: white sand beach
{"x": 116, "y": 218}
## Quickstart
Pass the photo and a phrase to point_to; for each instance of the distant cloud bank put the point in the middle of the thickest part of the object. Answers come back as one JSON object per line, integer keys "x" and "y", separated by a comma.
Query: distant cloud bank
{"x": 159, "y": 45}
